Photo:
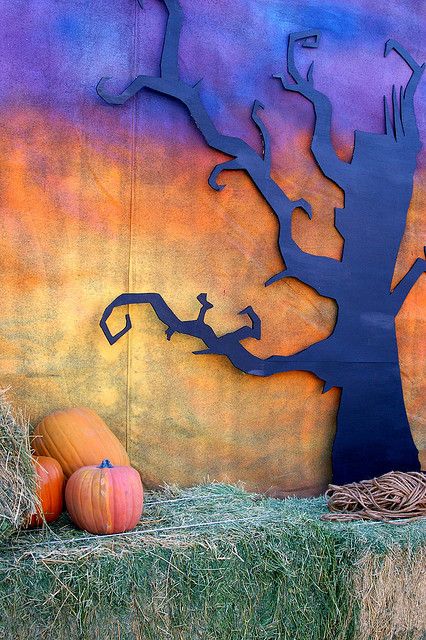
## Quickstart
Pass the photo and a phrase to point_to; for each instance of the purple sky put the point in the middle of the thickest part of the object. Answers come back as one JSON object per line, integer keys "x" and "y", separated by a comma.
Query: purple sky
{"x": 53, "y": 53}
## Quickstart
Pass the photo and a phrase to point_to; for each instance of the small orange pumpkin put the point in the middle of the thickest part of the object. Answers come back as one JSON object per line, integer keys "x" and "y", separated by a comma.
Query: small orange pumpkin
{"x": 50, "y": 490}
{"x": 77, "y": 438}
{"x": 105, "y": 499}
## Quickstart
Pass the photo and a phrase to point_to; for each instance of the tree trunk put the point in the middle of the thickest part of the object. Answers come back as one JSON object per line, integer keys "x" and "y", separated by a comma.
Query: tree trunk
{"x": 373, "y": 434}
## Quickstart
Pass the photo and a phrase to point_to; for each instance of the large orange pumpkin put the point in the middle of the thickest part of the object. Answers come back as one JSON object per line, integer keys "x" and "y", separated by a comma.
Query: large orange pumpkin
{"x": 77, "y": 438}
{"x": 50, "y": 490}
{"x": 105, "y": 499}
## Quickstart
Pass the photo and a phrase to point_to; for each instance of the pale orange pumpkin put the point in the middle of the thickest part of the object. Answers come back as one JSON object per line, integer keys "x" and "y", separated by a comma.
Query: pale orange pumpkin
{"x": 50, "y": 490}
{"x": 105, "y": 499}
{"x": 77, "y": 438}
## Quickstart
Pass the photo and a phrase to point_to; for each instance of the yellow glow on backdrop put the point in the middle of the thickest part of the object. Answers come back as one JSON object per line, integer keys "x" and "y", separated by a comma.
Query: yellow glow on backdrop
{"x": 81, "y": 226}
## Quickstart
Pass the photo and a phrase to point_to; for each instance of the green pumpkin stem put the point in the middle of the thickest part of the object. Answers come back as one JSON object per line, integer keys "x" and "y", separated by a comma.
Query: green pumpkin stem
{"x": 105, "y": 464}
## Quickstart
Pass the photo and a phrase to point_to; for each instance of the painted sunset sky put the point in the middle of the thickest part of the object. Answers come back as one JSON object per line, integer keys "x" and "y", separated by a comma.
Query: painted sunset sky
{"x": 98, "y": 200}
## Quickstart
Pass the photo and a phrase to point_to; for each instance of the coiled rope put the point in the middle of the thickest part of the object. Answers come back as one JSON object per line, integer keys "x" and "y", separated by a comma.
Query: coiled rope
{"x": 393, "y": 496}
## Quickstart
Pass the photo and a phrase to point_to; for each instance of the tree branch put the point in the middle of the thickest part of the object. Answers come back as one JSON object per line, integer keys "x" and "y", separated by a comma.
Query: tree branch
{"x": 304, "y": 266}
{"x": 320, "y": 272}
{"x": 321, "y": 146}
{"x": 243, "y": 158}
{"x": 405, "y": 285}
{"x": 266, "y": 139}
{"x": 171, "y": 85}
{"x": 228, "y": 345}
{"x": 229, "y": 165}
{"x": 404, "y": 116}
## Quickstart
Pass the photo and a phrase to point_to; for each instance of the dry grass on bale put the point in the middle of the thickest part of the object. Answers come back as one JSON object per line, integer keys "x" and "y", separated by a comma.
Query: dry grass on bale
{"x": 216, "y": 563}
{"x": 395, "y": 584}
{"x": 17, "y": 475}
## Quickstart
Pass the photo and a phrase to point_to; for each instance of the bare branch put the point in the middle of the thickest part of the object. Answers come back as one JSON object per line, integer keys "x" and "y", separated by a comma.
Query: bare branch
{"x": 228, "y": 345}
{"x": 399, "y": 132}
{"x": 320, "y": 272}
{"x": 243, "y": 156}
{"x": 229, "y": 165}
{"x": 299, "y": 264}
{"x": 404, "y": 116}
{"x": 405, "y": 285}
{"x": 266, "y": 139}
{"x": 321, "y": 146}
{"x": 169, "y": 59}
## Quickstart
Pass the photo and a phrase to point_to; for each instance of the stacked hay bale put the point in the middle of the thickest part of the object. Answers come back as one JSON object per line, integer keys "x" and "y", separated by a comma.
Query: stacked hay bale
{"x": 216, "y": 563}
{"x": 211, "y": 562}
{"x": 17, "y": 474}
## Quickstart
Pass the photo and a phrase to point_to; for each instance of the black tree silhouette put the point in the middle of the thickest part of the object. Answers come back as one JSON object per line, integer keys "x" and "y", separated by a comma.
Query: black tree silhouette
{"x": 361, "y": 355}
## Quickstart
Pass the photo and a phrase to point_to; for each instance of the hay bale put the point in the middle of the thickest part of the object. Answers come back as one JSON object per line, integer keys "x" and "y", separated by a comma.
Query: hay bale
{"x": 396, "y": 584}
{"x": 216, "y": 563}
{"x": 17, "y": 475}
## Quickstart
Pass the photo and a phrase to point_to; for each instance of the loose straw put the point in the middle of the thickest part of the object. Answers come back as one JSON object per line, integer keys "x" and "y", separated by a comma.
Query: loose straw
{"x": 136, "y": 532}
{"x": 393, "y": 496}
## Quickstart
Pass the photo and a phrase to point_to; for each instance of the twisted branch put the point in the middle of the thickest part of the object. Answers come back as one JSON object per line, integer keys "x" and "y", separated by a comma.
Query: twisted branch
{"x": 243, "y": 157}
{"x": 404, "y": 116}
{"x": 405, "y": 285}
{"x": 321, "y": 145}
{"x": 228, "y": 345}
{"x": 266, "y": 138}
{"x": 235, "y": 165}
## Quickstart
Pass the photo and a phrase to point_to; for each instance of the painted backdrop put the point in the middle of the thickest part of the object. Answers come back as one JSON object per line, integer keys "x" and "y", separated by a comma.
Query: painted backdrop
{"x": 98, "y": 200}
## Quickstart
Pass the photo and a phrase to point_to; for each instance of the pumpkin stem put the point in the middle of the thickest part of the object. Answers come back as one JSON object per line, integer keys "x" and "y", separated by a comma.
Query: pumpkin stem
{"x": 105, "y": 464}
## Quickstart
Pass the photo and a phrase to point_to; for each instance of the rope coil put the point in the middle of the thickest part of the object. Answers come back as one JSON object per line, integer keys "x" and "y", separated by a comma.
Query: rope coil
{"x": 393, "y": 496}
